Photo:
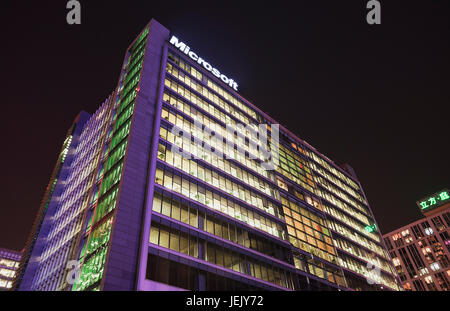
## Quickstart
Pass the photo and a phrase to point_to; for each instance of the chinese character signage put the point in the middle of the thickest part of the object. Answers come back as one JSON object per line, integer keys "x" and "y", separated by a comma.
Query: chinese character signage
{"x": 434, "y": 201}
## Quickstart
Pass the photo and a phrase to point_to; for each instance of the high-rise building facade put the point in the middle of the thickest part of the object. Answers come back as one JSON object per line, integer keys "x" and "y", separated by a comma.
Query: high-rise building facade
{"x": 37, "y": 239}
{"x": 420, "y": 251}
{"x": 169, "y": 186}
{"x": 9, "y": 262}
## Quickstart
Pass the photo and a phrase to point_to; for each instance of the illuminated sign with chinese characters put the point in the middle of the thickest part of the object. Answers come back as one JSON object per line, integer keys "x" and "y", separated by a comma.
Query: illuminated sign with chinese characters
{"x": 370, "y": 229}
{"x": 434, "y": 201}
{"x": 187, "y": 50}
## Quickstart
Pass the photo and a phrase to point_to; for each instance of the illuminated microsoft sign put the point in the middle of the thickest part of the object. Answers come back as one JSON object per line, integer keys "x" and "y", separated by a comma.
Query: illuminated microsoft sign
{"x": 187, "y": 50}
{"x": 436, "y": 200}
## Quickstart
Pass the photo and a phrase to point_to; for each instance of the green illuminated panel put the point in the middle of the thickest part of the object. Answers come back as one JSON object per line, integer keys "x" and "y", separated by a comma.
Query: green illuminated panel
{"x": 372, "y": 228}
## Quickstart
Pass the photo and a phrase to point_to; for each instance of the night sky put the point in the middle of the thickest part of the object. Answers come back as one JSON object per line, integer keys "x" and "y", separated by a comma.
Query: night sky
{"x": 374, "y": 96}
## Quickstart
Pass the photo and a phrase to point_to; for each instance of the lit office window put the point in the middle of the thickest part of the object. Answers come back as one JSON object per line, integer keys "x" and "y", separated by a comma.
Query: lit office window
{"x": 428, "y": 231}
{"x": 435, "y": 266}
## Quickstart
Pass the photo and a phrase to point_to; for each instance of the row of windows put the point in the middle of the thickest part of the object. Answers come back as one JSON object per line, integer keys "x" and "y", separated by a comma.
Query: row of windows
{"x": 310, "y": 219}
{"x": 228, "y": 131}
{"x": 367, "y": 271}
{"x": 294, "y": 168}
{"x": 121, "y": 133}
{"x": 116, "y": 156}
{"x": 215, "y": 201}
{"x": 336, "y": 191}
{"x": 92, "y": 270}
{"x": 363, "y": 254}
{"x": 124, "y": 117}
{"x": 213, "y": 111}
{"x": 175, "y": 159}
{"x": 319, "y": 269}
{"x": 179, "y": 275}
{"x": 333, "y": 170}
{"x": 196, "y": 100}
{"x": 206, "y": 134}
{"x": 140, "y": 40}
{"x": 357, "y": 238}
{"x": 224, "y": 184}
{"x": 351, "y": 222}
{"x": 7, "y": 273}
{"x": 183, "y": 65}
{"x": 184, "y": 243}
{"x": 438, "y": 223}
{"x": 111, "y": 179}
{"x": 231, "y": 99}
{"x": 106, "y": 205}
{"x": 211, "y": 85}
{"x": 133, "y": 72}
{"x": 338, "y": 203}
{"x": 294, "y": 161}
{"x": 398, "y": 266}
{"x": 65, "y": 227}
{"x": 5, "y": 283}
{"x": 430, "y": 282}
{"x": 91, "y": 135}
{"x": 131, "y": 86}
{"x": 414, "y": 254}
{"x": 443, "y": 280}
{"x": 407, "y": 263}
{"x": 216, "y": 141}
{"x": 446, "y": 217}
{"x": 135, "y": 58}
{"x": 78, "y": 194}
{"x": 299, "y": 149}
{"x": 191, "y": 216}
{"x": 126, "y": 101}
{"x": 80, "y": 172}
{"x": 337, "y": 181}
{"x": 308, "y": 231}
{"x": 427, "y": 252}
{"x": 77, "y": 177}
{"x": 133, "y": 67}
{"x": 445, "y": 237}
{"x": 64, "y": 230}
{"x": 433, "y": 246}
{"x": 419, "y": 231}
{"x": 302, "y": 196}
{"x": 49, "y": 275}
{"x": 8, "y": 263}
{"x": 197, "y": 151}
{"x": 398, "y": 238}
{"x": 98, "y": 238}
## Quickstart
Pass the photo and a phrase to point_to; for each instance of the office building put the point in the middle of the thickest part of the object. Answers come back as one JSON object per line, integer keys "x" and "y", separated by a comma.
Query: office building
{"x": 420, "y": 250}
{"x": 9, "y": 262}
{"x": 170, "y": 186}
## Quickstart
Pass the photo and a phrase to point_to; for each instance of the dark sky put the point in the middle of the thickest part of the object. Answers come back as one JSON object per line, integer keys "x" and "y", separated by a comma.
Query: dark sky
{"x": 376, "y": 97}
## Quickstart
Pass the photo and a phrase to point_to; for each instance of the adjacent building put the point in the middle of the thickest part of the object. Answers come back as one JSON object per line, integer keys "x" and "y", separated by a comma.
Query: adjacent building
{"x": 179, "y": 183}
{"x": 9, "y": 262}
{"x": 420, "y": 250}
